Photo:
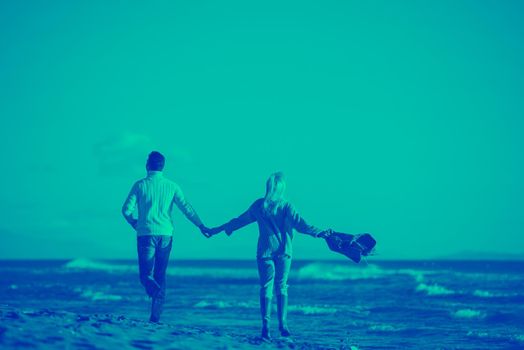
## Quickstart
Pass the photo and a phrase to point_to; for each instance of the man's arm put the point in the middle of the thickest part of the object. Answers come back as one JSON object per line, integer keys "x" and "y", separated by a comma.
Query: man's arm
{"x": 129, "y": 207}
{"x": 186, "y": 208}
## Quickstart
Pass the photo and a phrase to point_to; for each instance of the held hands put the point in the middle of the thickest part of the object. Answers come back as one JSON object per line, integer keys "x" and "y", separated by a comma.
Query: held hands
{"x": 325, "y": 234}
{"x": 204, "y": 230}
{"x": 215, "y": 230}
{"x": 208, "y": 232}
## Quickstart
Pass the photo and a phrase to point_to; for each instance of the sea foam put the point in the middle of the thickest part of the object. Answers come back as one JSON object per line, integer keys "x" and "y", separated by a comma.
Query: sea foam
{"x": 179, "y": 271}
{"x": 221, "y": 304}
{"x": 304, "y": 309}
{"x": 468, "y": 313}
{"x": 86, "y": 264}
{"x": 433, "y": 289}
{"x": 216, "y": 273}
{"x": 382, "y": 328}
{"x": 483, "y": 294}
{"x": 312, "y": 309}
{"x": 338, "y": 272}
{"x": 313, "y": 271}
{"x": 332, "y": 272}
{"x": 487, "y": 294}
{"x": 98, "y": 296}
{"x": 517, "y": 338}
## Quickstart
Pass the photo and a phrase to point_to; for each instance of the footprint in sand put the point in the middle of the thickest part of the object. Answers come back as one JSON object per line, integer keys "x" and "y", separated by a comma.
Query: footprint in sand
{"x": 105, "y": 334}
{"x": 143, "y": 344}
{"x": 178, "y": 333}
{"x": 24, "y": 344}
{"x": 12, "y": 315}
{"x": 85, "y": 345}
{"x": 53, "y": 339}
{"x": 105, "y": 320}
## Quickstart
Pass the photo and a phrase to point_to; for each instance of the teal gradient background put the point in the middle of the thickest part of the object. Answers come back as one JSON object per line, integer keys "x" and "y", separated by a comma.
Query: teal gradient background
{"x": 404, "y": 119}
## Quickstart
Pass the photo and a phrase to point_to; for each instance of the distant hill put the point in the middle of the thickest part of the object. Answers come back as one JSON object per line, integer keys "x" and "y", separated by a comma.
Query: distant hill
{"x": 474, "y": 255}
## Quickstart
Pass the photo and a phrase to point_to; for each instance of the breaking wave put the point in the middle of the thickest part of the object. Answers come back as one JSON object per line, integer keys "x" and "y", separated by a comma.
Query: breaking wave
{"x": 219, "y": 273}
{"x": 220, "y": 304}
{"x": 508, "y": 338}
{"x": 312, "y": 310}
{"x": 304, "y": 309}
{"x": 487, "y": 294}
{"x": 382, "y": 328}
{"x": 87, "y": 264}
{"x": 468, "y": 313}
{"x": 98, "y": 295}
{"x": 433, "y": 289}
{"x": 337, "y": 272}
{"x": 179, "y": 271}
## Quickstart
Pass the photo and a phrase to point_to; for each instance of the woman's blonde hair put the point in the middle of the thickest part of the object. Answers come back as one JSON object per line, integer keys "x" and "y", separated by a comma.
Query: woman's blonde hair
{"x": 275, "y": 188}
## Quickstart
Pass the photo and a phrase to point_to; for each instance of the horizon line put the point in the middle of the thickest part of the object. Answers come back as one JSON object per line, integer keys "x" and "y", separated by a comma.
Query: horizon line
{"x": 509, "y": 259}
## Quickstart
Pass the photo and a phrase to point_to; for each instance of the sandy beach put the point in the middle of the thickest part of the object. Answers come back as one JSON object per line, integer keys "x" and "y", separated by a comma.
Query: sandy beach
{"x": 49, "y": 329}
{"x": 85, "y": 304}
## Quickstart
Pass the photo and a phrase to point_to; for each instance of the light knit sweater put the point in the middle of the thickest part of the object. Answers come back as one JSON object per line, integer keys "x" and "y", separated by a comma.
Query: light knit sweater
{"x": 154, "y": 197}
{"x": 275, "y": 230}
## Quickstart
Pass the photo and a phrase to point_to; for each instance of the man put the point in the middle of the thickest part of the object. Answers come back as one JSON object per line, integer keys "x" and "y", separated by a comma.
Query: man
{"x": 154, "y": 197}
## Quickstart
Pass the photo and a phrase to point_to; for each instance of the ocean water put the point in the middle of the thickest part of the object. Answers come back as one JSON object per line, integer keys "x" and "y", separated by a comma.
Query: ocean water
{"x": 380, "y": 305}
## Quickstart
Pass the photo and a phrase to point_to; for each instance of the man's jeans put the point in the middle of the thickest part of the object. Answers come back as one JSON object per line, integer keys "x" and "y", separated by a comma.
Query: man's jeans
{"x": 273, "y": 273}
{"x": 153, "y": 258}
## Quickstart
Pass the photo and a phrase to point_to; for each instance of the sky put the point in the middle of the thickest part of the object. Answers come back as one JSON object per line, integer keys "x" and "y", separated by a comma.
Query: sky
{"x": 402, "y": 119}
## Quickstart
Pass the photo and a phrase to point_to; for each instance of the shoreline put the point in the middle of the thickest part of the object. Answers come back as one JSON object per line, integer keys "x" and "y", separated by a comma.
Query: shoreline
{"x": 50, "y": 329}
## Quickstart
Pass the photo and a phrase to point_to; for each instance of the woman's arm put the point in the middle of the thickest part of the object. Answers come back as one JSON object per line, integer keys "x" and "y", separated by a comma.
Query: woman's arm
{"x": 244, "y": 219}
{"x": 301, "y": 225}
{"x": 237, "y": 223}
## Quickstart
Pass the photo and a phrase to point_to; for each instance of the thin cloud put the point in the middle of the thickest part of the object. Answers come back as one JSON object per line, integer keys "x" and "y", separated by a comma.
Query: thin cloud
{"x": 127, "y": 151}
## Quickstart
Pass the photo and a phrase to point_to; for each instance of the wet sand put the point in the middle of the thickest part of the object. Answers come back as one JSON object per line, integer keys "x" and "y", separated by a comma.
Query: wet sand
{"x": 54, "y": 329}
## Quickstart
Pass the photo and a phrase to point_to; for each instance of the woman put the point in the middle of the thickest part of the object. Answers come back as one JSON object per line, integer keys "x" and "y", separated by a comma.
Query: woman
{"x": 276, "y": 219}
